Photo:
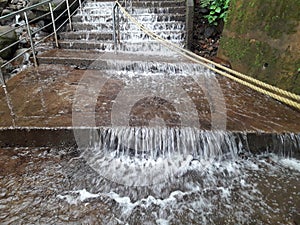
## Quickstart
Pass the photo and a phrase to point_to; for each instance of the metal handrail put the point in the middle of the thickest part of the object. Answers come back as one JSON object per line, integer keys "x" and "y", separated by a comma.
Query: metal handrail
{"x": 33, "y": 44}
{"x": 116, "y": 21}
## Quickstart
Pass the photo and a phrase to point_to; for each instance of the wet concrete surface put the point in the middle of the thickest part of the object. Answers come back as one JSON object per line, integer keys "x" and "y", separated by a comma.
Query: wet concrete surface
{"x": 44, "y": 97}
{"x": 54, "y": 186}
{"x": 51, "y": 185}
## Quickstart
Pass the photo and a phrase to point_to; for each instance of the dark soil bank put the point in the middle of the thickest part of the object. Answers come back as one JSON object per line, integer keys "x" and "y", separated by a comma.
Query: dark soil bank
{"x": 206, "y": 37}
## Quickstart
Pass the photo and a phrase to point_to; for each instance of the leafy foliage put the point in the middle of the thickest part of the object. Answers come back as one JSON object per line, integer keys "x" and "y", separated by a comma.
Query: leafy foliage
{"x": 217, "y": 10}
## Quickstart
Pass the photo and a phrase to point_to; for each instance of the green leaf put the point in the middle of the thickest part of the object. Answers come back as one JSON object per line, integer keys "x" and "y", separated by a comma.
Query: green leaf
{"x": 218, "y": 10}
{"x": 205, "y": 3}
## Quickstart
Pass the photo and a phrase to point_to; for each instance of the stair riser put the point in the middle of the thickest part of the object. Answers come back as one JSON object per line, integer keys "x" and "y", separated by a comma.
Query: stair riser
{"x": 155, "y": 4}
{"x": 93, "y": 18}
{"x": 142, "y": 36}
{"x": 86, "y": 36}
{"x": 124, "y": 65}
{"x": 145, "y": 47}
{"x": 87, "y": 46}
{"x": 143, "y": 18}
{"x": 163, "y": 10}
{"x": 93, "y": 27}
{"x": 141, "y": 4}
{"x": 107, "y": 27}
{"x": 124, "y": 36}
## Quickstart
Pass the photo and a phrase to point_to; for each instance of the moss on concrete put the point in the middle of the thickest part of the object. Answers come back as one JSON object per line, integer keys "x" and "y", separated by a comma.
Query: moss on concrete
{"x": 269, "y": 16}
{"x": 260, "y": 39}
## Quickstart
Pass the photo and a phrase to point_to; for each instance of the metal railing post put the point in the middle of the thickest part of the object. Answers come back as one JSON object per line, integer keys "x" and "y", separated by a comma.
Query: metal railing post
{"x": 69, "y": 14}
{"x": 114, "y": 29}
{"x": 54, "y": 27}
{"x": 118, "y": 24}
{"x": 2, "y": 81}
{"x": 80, "y": 5}
{"x": 31, "y": 41}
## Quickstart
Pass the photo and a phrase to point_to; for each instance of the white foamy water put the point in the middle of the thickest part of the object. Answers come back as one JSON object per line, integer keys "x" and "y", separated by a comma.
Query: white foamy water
{"x": 130, "y": 37}
{"x": 75, "y": 197}
{"x": 146, "y": 156}
{"x": 290, "y": 163}
{"x": 229, "y": 188}
{"x": 49, "y": 186}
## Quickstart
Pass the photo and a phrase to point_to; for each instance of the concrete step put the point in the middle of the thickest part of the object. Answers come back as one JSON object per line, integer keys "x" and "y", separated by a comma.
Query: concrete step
{"x": 151, "y": 47}
{"x": 152, "y": 4}
{"x": 157, "y": 26}
{"x": 172, "y": 10}
{"x": 106, "y": 27}
{"x": 85, "y": 26}
{"x": 168, "y": 3}
{"x": 87, "y": 45}
{"x": 140, "y": 17}
{"x": 96, "y": 10}
{"x": 159, "y": 17}
{"x": 93, "y": 18}
{"x": 83, "y": 35}
{"x": 108, "y": 60}
{"x": 104, "y": 36}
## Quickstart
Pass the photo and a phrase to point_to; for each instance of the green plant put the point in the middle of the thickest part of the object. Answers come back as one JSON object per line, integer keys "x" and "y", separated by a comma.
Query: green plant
{"x": 217, "y": 10}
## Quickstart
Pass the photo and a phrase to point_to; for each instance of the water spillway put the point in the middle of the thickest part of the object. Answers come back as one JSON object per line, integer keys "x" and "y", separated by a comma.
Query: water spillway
{"x": 142, "y": 136}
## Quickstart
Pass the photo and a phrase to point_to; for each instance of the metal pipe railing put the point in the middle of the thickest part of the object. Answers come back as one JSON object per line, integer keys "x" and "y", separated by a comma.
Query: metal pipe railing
{"x": 31, "y": 33}
{"x": 69, "y": 14}
{"x": 116, "y": 22}
{"x": 115, "y": 29}
{"x": 30, "y": 38}
{"x": 54, "y": 27}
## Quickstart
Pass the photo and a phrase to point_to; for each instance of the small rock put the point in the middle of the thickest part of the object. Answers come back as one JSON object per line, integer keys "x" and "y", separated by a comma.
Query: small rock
{"x": 23, "y": 59}
{"x": 203, "y": 10}
{"x": 209, "y": 32}
{"x": 6, "y": 12}
{"x": 7, "y": 40}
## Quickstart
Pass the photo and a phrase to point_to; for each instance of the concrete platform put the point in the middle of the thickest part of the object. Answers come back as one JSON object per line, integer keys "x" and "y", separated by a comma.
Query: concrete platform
{"x": 43, "y": 97}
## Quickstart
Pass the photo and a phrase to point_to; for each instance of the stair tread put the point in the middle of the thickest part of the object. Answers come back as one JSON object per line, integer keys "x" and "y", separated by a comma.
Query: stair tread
{"x": 111, "y": 41}
{"x": 94, "y": 32}
{"x": 100, "y": 55}
{"x": 134, "y": 14}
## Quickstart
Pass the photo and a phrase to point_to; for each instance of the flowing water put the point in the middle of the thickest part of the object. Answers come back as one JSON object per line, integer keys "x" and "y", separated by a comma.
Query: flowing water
{"x": 97, "y": 17}
{"x": 152, "y": 174}
{"x": 55, "y": 186}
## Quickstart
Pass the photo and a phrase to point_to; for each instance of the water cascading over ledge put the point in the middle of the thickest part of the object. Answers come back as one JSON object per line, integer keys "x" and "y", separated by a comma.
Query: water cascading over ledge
{"x": 286, "y": 144}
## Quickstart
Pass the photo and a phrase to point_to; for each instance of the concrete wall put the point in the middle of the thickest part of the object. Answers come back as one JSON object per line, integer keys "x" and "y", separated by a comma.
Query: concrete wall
{"x": 262, "y": 38}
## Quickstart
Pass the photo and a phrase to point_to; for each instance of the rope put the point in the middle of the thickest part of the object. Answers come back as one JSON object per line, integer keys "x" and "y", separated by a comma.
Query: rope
{"x": 200, "y": 60}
